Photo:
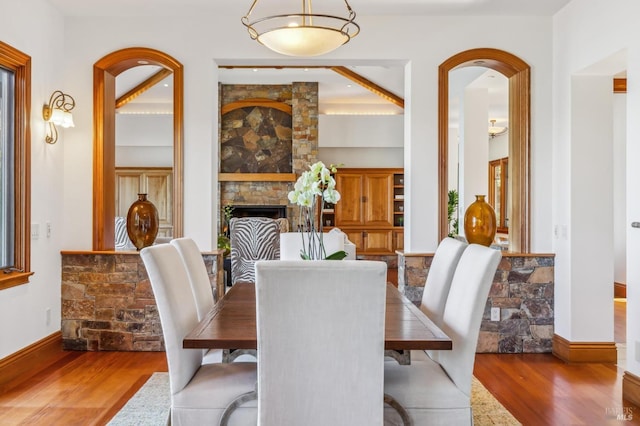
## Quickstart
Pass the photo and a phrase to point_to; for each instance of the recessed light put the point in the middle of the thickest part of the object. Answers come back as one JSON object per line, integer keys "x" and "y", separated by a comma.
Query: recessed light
{"x": 255, "y": 70}
{"x": 143, "y": 62}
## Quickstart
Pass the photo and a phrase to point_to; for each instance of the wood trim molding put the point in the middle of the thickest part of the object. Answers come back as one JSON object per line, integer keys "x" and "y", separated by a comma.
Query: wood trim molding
{"x": 576, "y": 352}
{"x": 142, "y": 87}
{"x": 619, "y": 85}
{"x": 631, "y": 388}
{"x": 25, "y": 359}
{"x": 619, "y": 290}
{"x": 256, "y": 102}
{"x": 369, "y": 85}
{"x": 257, "y": 177}
{"x": 343, "y": 71}
{"x": 105, "y": 72}
{"x": 518, "y": 73}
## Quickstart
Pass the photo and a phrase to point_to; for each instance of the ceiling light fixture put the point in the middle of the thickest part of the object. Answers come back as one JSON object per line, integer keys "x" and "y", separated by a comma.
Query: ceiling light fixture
{"x": 496, "y": 130}
{"x": 302, "y": 33}
{"x": 58, "y": 112}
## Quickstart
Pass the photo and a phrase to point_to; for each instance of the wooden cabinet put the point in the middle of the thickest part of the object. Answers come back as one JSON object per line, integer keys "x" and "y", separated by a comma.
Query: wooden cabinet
{"x": 157, "y": 183}
{"x": 367, "y": 211}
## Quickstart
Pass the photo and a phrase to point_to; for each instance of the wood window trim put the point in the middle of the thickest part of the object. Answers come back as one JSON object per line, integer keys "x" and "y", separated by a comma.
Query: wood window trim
{"x": 20, "y": 64}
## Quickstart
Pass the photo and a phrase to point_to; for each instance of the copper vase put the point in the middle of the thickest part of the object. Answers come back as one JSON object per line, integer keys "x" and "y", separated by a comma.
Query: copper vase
{"x": 480, "y": 222}
{"x": 142, "y": 222}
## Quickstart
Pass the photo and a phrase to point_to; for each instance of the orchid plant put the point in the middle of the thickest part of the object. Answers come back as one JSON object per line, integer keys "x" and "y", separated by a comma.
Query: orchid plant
{"x": 313, "y": 189}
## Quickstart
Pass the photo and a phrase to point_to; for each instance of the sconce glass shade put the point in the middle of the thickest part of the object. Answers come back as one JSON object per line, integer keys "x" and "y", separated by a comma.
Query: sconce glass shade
{"x": 61, "y": 118}
{"x": 58, "y": 113}
{"x": 302, "y": 34}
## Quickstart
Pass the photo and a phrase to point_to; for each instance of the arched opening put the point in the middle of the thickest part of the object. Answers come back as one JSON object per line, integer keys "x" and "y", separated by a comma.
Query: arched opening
{"x": 518, "y": 73}
{"x": 105, "y": 72}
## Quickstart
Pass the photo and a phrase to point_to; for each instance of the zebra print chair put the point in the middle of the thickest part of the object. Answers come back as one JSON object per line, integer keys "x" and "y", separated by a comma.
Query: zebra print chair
{"x": 252, "y": 238}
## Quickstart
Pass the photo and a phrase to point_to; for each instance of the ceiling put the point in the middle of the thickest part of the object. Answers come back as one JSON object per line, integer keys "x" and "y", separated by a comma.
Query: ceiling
{"x": 239, "y": 8}
{"x": 337, "y": 94}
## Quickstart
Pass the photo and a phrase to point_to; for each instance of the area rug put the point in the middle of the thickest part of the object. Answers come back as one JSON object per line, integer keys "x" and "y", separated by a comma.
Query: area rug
{"x": 150, "y": 406}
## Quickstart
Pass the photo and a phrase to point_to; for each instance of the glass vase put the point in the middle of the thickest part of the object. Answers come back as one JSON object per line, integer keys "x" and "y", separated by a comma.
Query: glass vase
{"x": 480, "y": 222}
{"x": 142, "y": 222}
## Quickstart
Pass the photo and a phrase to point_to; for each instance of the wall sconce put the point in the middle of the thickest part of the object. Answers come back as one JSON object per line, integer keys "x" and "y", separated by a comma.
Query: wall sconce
{"x": 58, "y": 112}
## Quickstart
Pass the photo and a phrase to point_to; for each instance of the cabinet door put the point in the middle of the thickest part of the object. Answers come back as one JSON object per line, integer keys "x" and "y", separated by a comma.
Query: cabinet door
{"x": 379, "y": 241}
{"x": 157, "y": 184}
{"x": 348, "y": 211}
{"x": 160, "y": 193}
{"x": 128, "y": 186}
{"x": 378, "y": 205}
{"x": 356, "y": 237}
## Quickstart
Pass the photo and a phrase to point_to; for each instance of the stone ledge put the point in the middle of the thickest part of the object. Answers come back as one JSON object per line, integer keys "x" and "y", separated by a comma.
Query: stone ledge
{"x": 107, "y": 302}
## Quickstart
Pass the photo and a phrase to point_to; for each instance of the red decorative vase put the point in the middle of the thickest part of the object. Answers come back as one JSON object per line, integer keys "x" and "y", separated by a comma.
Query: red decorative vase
{"x": 480, "y": 222}
{"x": 142, "y": 222}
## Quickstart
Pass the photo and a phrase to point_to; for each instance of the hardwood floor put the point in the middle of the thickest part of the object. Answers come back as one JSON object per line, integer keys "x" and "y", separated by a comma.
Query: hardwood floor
{"x": 88, "y": 388}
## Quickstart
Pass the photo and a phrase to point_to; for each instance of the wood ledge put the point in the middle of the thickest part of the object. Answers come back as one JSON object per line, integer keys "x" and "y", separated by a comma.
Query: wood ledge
{"x": 577, "y": 352}
{"x": 14, "y": 279}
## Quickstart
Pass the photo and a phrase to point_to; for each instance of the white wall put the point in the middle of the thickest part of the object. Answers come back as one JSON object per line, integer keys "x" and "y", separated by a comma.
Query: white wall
{"x": 35, "y": 28}
{"x": 620, "y": 187}
{"x": 475, "y": 160}
{"x": 361, "y": 140}
{"x": 593, "y": 35}
{"x": 144, "y": 140}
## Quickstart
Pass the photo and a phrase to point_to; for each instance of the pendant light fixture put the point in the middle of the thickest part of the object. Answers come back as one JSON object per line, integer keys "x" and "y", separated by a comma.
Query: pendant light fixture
{"x": 302, "y": 33}
{"x": 496, "y": 130}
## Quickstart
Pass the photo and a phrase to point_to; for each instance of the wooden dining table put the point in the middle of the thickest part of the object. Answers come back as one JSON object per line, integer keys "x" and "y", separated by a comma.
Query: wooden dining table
{"x": 231, "y": 324}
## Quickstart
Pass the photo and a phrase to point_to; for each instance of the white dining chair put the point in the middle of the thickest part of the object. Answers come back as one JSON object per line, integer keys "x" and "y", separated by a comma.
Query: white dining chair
{"x": 200, "y": 392}
{"x": 438, "y": 283}
{"x": 203, "y": 295}
{"x": 439, "y": 392}
{"x": 320, "y": 328}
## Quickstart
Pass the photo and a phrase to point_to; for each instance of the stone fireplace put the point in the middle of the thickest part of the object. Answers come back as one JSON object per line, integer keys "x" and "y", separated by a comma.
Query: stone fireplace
{"x": 254, "y": 191}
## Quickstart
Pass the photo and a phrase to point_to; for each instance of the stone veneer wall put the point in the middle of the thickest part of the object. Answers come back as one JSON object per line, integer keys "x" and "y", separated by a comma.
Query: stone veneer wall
{"x": 108, "y": 303}
{"x": 523, "y": 289}
{"x": 303, "y": 98}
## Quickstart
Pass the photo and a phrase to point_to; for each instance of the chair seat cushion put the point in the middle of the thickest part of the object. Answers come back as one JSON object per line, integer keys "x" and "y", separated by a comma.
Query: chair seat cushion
{"x": 216, "y": 386}
{"x": 422, "y": 384}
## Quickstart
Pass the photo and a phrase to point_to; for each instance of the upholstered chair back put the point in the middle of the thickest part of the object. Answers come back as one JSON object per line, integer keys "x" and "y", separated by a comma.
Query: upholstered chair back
{"x": 320, "y": 328}
{"x": 177, "y": 310}
{"x": 438, "y": 283}
{"x": 464, "y": 309}
{"x": 198, "y": 275}
{"x": 252, "y": 239}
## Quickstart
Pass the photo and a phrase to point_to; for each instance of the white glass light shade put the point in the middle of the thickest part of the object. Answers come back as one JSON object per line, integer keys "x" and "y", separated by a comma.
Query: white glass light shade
{"x": 303, "y": 41}
{"x": 61, "y": 118}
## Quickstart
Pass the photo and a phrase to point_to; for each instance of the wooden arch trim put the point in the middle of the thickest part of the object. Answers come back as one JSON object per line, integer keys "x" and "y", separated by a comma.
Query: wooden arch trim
{"x": 518, "y": 72}
{"x": 105, "y": 72}
{"x": 256, "y": 102}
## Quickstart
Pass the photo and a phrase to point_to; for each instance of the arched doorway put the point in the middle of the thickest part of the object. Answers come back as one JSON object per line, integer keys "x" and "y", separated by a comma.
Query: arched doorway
{"x": 105, "y": 72}
{"x": 518, "y": 73}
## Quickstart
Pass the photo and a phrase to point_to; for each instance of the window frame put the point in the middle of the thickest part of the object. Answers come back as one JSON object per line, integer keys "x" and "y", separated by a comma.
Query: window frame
{"x": 20, "y": 64}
